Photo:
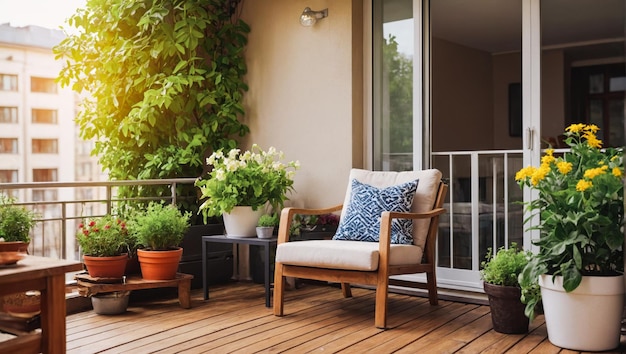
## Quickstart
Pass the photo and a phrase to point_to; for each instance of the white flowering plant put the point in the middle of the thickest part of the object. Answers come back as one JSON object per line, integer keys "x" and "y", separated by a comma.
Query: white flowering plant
{"x": 251, "y": 178}
{"x": 581, "y": 209}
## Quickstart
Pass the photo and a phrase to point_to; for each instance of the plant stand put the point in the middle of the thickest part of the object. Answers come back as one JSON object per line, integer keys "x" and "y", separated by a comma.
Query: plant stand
{"x": 88, "y": 286}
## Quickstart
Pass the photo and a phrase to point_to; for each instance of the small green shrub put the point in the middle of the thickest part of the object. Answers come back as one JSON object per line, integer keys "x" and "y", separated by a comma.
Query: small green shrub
{"x": 268, "y": 220}
{"x": 15, "y": 221}
{"x": 159, "y": 226}
{"x": 505, "y": 267}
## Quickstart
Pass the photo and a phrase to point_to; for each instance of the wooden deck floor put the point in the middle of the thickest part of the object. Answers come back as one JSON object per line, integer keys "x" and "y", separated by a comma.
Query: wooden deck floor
{"x": 317, "y": 319}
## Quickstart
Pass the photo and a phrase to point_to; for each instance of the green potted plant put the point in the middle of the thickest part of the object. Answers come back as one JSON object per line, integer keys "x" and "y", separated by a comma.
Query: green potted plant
{"x": 500, "y": 275}
{"x": 266, "y": 225}
{"x": 242, "y": 184}
{"x": 16, "y": 222}
{"x": 579, "y": 266}
{"x": 159, "y": 230}
{"x": 104, "y": 244}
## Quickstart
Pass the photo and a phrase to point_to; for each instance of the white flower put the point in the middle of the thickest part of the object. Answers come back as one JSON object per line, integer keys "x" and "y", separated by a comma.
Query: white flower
{"x": 220, "y": 175}
{"x": 232, "y": 154}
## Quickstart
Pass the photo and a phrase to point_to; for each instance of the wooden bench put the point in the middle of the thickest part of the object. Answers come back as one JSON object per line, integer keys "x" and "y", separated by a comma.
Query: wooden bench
{"x": 88, "y": 286}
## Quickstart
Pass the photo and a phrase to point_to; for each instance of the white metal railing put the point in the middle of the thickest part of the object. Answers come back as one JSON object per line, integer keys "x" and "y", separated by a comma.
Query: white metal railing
{"x": 54, "y": 233}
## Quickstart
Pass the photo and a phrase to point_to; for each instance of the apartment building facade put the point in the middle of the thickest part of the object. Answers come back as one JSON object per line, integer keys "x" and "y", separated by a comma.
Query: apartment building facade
{"x": 39, "y": 140}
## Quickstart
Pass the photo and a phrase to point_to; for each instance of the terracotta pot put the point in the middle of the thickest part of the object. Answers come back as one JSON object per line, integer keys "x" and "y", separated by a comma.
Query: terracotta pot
{"x": 507, "y": 310}
{"x": 159, "y": 265}
{"x": 17, "y": 246}
{"x": 106, "y": 267}
{"x": 23, "y": 305}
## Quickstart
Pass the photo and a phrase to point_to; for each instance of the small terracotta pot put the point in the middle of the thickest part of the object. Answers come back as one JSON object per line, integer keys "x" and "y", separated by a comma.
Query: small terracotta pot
{"x": 106, "y": 267}
{"x": 159, "y": 265}
{"x": 14, "y": 246}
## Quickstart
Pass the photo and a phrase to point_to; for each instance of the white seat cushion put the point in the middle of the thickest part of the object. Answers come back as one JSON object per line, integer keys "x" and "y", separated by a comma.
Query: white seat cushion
{"x": 349, "y": 255}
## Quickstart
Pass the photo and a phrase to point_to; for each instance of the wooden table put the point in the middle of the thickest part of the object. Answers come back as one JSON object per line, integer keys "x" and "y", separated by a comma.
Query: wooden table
{"x": 48, "y": 276}
{"x": 265, "y": 242}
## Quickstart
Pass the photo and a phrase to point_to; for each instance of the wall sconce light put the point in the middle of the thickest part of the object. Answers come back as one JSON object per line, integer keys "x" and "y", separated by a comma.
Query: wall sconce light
{"x": 309, "y": 17}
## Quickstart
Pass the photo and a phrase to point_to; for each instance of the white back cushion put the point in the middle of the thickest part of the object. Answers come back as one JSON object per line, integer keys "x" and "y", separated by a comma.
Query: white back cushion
{"x": 424, "y": 197}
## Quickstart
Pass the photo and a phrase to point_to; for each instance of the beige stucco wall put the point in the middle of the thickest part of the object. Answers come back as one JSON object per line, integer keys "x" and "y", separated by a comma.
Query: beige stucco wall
{"x": 305, "y": 92}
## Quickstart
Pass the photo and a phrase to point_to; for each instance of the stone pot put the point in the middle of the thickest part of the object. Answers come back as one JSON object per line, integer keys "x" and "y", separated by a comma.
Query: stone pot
{"x": 112, "y": 303}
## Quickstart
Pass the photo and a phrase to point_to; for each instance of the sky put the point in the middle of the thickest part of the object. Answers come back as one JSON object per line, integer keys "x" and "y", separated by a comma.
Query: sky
{"x": 44, "y": 13}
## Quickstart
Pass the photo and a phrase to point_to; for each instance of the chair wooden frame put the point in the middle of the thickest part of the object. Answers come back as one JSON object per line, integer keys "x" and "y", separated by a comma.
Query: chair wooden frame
{"x": 380, "y": 277}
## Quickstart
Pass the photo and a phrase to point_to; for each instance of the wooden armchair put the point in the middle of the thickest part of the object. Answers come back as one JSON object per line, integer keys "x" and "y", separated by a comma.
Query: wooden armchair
{"x": 370, "y": 263}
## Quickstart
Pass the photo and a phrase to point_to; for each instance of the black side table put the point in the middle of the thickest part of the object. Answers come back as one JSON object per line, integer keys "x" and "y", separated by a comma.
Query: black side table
{"x": 265, "y": 242}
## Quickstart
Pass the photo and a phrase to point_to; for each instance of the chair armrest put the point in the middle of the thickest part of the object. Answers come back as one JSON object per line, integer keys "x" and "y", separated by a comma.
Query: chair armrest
{"x": 286, "y": 218}
{"x": 385, "y": 225}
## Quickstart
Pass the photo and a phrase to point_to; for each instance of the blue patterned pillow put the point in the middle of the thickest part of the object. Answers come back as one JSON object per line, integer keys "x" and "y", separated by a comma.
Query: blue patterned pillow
{"x": 363, "y": 214}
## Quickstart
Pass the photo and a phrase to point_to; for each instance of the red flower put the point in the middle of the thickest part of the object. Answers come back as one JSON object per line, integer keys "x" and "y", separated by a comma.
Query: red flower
{"x": 106, "y": 227}
{"x": 80, "y": 226}
{"x": 92, "y": 223}
{"x": 86, "y": 232}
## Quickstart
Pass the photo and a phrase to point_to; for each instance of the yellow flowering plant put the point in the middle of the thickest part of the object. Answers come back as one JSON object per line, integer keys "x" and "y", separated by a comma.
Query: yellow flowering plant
{"x": 251, "y": 178}
{"x": 580, "y": 205}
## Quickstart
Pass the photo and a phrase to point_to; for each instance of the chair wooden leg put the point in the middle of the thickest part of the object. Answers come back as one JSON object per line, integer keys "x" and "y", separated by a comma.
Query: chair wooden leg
{"x": 380, "y": 318}
{"x": 431, "y": 279}
{"x": 346, "y": 291}
{"x": 279, "y": 289}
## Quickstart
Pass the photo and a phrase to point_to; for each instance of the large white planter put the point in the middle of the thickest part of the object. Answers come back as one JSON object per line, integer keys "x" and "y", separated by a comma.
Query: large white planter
{"x": 242, "y": 221}
{"x": 586, "y": 319}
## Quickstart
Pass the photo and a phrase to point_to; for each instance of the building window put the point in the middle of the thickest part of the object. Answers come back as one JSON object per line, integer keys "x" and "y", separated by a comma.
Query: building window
{"x": 41, "y": 84}
{"x": 45, "y": 175}
{"x": 41, "y": 195}
{"x": 45, "y": 146}
{"x": 8, "y": 82}
{"x": 8, "y": 145}
{"x": 84, "y": 169}
{"x": 8, "y": 114}
{"x": 45, "y": 116}
{"x": 8, "y": 176}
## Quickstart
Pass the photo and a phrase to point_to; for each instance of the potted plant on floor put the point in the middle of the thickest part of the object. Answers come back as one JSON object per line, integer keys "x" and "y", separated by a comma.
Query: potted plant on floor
{"x": 242, "y": 184}
{"x": 266, "y": 225}
{"x": 16, "y": 222}
{"x": 159, "y": 230}
{"x": 500, "y": 275}
{"x": 104, "y": 244}
{"x": 580, "y": 265}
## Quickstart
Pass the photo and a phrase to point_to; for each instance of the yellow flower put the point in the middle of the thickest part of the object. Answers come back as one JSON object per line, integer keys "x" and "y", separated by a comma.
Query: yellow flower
{"x": 583, "y": 185}
{"x": 617, "y": 172}
{"x": 592, "y": 128}
{"x": 525, "y": 173}
{"x": 539, "y": 174}
{"x": 592, "y": 141}
{"x": 575, "y": 128}
{"x": 595, "y": 172}
{"x": 564, "y": 167}
{"x": 547, "y": 159}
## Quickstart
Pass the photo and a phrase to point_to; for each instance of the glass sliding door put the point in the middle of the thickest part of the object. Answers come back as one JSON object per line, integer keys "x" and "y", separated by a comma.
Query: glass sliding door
{"x": 499, "y": 82}
{"x": 394, "y": 52}
{"x": 476, "y": 68}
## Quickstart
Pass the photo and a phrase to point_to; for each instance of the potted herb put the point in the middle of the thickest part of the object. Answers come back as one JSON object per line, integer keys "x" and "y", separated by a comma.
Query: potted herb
{"x": 579, "y": 266}
{"x": 104, "y": 245}
{"x": 266, "y": 225}
{"x": 158, "y": 230}
{"x": 16, "y": 222}
{"x": 500, "y": 275}
{"x": 242, "y": 184}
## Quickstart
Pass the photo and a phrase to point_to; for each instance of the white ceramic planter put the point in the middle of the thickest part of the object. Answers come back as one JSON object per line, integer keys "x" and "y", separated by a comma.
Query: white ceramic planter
{"x": 242, "y": 221}
{"x": 586, "y": 319}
